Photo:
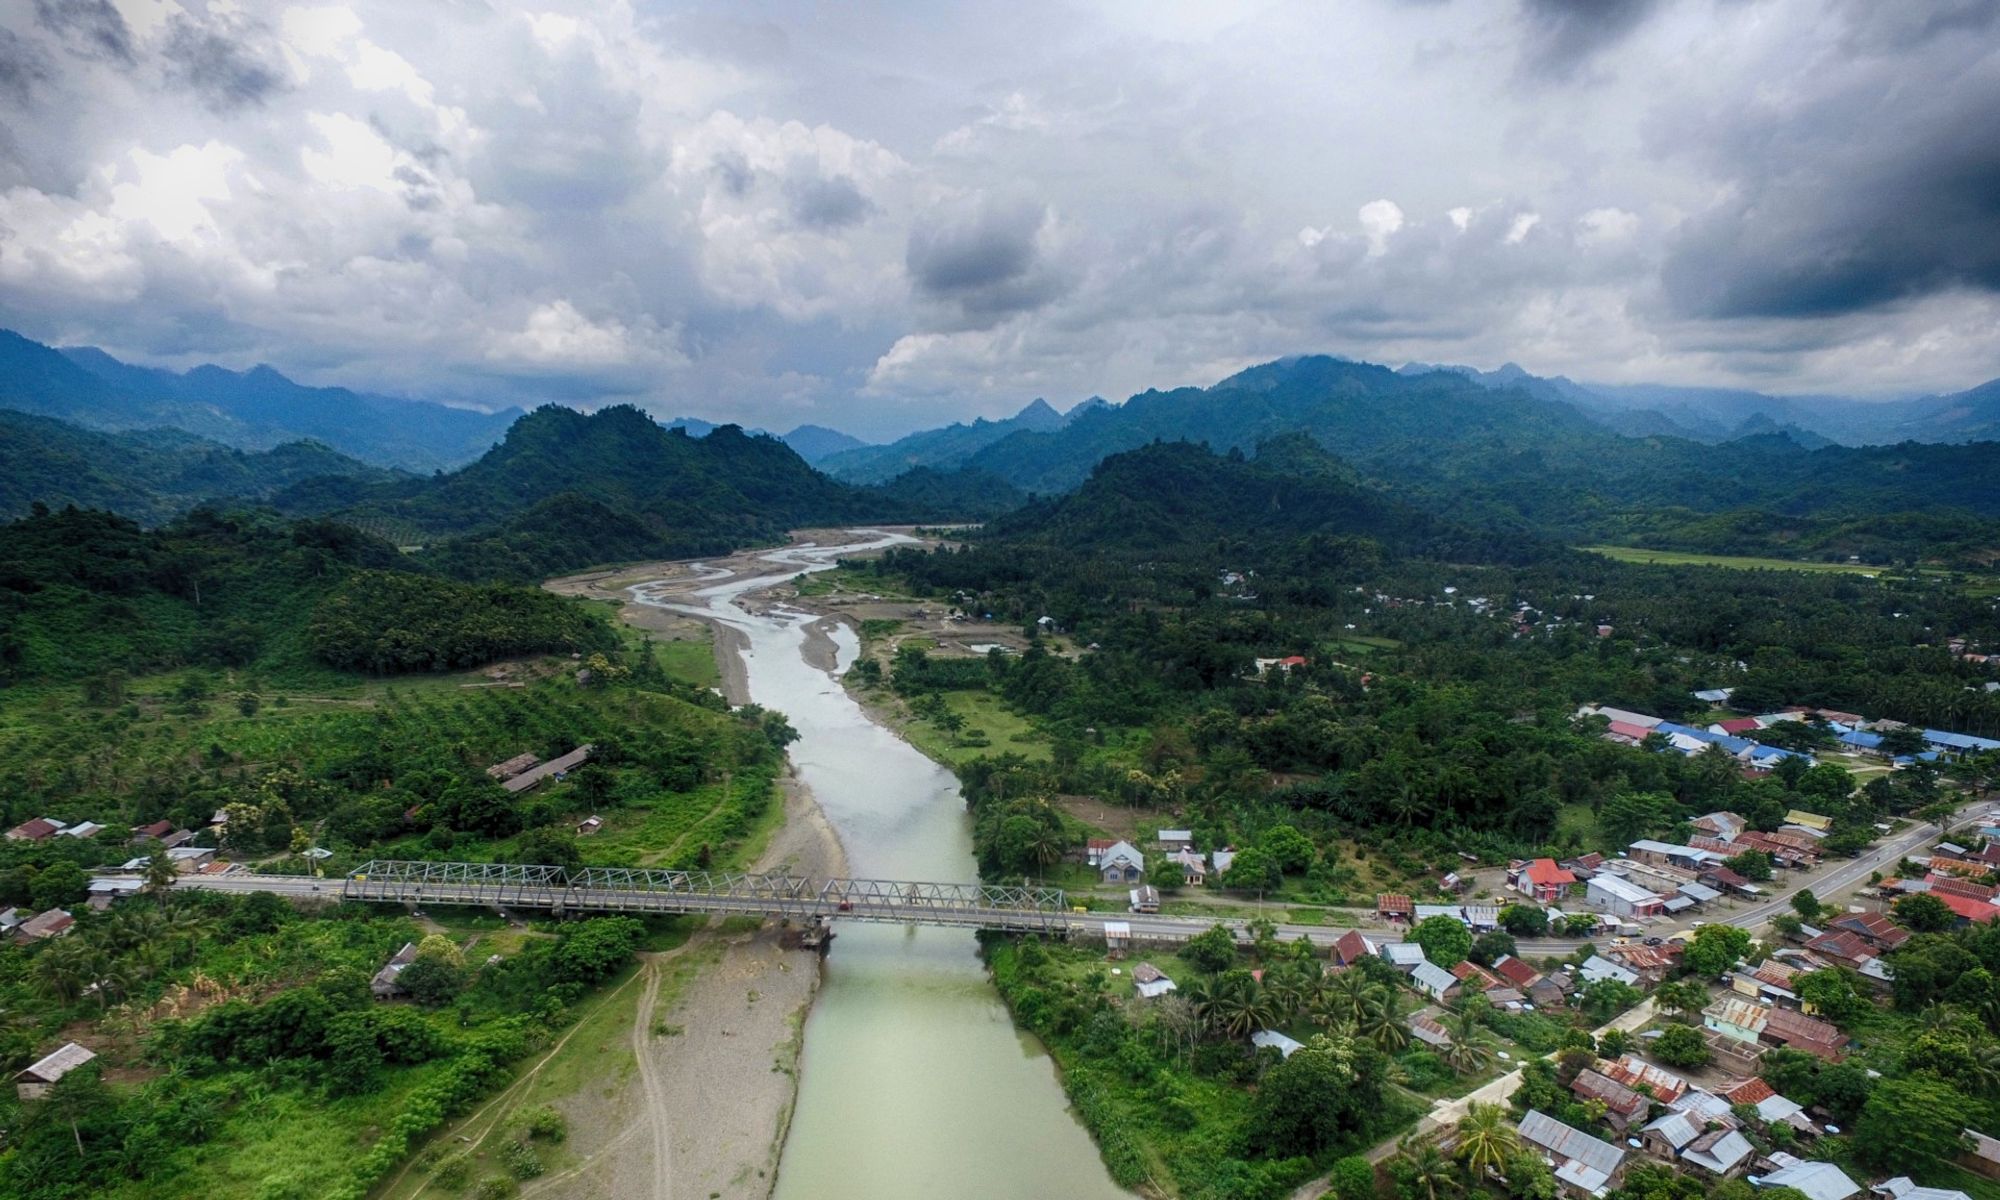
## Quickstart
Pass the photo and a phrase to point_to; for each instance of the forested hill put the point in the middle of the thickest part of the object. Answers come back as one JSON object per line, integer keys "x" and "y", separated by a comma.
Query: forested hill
{"x": 944, "y": 448}
{"x": 567, "y": 489}
{"x": 148, "y": 475}
{"x": 1510, "y": 456}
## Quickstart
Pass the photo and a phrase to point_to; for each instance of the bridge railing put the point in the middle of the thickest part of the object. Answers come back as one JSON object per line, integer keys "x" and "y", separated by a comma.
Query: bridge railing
{"x": 629, "y": 889}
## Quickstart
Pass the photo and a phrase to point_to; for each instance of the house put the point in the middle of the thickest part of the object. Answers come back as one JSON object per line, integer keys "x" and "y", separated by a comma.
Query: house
{"x": 1510, "y": 999}
{"x": 1797, "y": 1031}
{"x": 1809, "y": 820}
{"x": 1739, "y": 1020}
{"x": 107, "y": 889}
{"x": 35, "y": 1081}
{"x": 555, "y": 768}
{"x": 1476, "y": 977}
{"x": 1584, "y": 1165}
{"x": 1683, "y": 1137}
{"x": 1728, "y": 880}
{"x": 388, "y": 981}
{"x": 1621, "y": 896}
{"x": 1902, "y": 1187}
{"x": 41, "y": 829}
{"x": 1618, "y": 714}
{"x": 1434, "y": 981}
{"x": 53, "y": 923}
{"x": 1818, "y": 1180}
{"x": 589, "y": 825}
{"x": 1649, "y": 963}
{"x": 1841, "y": 947}
{"x": 1425, "y": 1028}
{"x": 1483, "y": 918}
{"x": 503, "y": 771}
{"x": 10, "y": 919}
{"x": 83, "y": 829}
{"x": 1597, "y": 967}
{"x": 1222, "y": 860}
{"x": 1669, "y": 854}
{"x": 1094, "y": 848}
{"x": 1968, "y": 910}
{"x": 1551, "y": 991}
{"x": 1714, "y": 695}
{"x": 1122, "y": 863}
{"x": 1176, "y": 839}
{"x": 1404, "y": 956}
{"x": 1773, "y": 982}
{"x": 157, "y": 831}
{"x": 1772, "y": 1109}
{"x": 1117, "y": 938}
{"x": 1145, "y": 898}
{"x": 1516, "y": 971}
{"x": 1636, "y": 1073}
{"x": 1622, "y": 1105}
{"x": 1544, "y": 880}
{"x": 1584, "y": 865}
{"x": 188, "y": 859}
{"x": 177, "y": 839}
{"x": 1722, "y": 825}
{"x": 218, "y": 867}
{"x": 1390, "y": 906}
{"x": 1151, "y": 981}
{"x": 1285, "y": 1046}
{"x": 1736, "y": 726}
{"x": 1984, "y": 1155}
{"x": 1350, "y": 948}
{"x": 1194, "y": 868}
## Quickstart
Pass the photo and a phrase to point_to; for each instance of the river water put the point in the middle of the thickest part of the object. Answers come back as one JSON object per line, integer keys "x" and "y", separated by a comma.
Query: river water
{"x": 914, "y": 1082}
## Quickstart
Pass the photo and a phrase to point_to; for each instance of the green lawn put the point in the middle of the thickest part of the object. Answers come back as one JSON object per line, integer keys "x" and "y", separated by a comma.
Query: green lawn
{"x": 1678, "y": 558}
{"x": 1006, "y": 732}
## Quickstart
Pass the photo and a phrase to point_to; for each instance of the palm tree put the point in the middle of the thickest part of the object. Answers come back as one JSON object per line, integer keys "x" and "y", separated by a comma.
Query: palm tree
{"x": 1427, "y": 1172}
{"x": 1464, "y": 1055}
{"x": 1485, "y": 1140}
{"x": 1343, "y": 997}
{"x": 1289, "y": 985}
{"x": 160, "y": 875}
{"x": 1241, "y": 1006}
{"x": 63, "y": 970}
{"x": 1983, "y": 1062}
{"x": 1381, "y": 1022}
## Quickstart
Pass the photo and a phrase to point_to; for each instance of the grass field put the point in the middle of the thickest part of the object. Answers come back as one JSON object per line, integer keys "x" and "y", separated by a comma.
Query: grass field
{"x": 1006, "y": 732}
{"x": 1677, "y": 558}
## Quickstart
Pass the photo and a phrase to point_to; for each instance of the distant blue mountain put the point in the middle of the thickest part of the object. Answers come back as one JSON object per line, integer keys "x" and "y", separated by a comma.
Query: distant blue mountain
{"x": 250, "y": 410}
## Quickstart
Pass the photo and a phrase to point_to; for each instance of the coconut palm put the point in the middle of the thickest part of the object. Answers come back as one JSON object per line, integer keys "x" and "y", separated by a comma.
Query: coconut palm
{"x": 1342, "y": 997}
{"x": 160, "y": 875}
{"x": 1241, "y": 1006}
{"x": 64, "y": 969}
{"x": 1381, "y": 1022}
{"x": 1464, "y": 1055}
{"x": 1289, "y": 985}
{"x": 1485, "y": 1140}
{"x": 1427, "y": 1173}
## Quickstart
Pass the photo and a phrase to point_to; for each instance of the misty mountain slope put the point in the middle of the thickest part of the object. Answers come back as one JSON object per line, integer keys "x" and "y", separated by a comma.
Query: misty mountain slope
{"x": 944, "y": 448}
{"x": 250, "y": 410}
{"x": 816, "y": 443}
{"x": 150, "y": 475}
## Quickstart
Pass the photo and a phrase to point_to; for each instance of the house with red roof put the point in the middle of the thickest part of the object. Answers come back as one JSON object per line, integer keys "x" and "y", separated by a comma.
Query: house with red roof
{"x": 1737, "y": 727}
{"x": 1873, "y": 928}
{"x": 1544, "y": 880}
{"x": 1841, "y": 948}
{"x": 1515, "y": 971}
{"x": 1968, "y": 910}
{"x": 1351, "y": 948}
{"x": 41, "y": 829}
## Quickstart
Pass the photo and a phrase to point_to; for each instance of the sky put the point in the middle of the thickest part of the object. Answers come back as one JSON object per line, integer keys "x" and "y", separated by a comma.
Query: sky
{"x": 883, "y": 216}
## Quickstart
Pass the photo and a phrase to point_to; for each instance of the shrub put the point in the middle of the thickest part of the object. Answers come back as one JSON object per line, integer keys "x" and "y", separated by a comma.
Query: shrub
{"x": 545, "y": 1124}
{"x": 522, "y": 1161}
{"x": 495, "y": 1187}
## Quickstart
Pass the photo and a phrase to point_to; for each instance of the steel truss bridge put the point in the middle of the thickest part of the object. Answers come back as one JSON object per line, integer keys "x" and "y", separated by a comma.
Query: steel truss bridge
{"x": 638, "y": 890}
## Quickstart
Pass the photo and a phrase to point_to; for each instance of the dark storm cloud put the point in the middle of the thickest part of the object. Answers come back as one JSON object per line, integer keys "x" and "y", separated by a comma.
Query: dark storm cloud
{"x": 90, "y": 27}
{"x": 22, "y": 67}
{"x": 950, "y": 257}
{"x": 1876, "y": 194}
{"x": 225, "y": 73}
{"x": 1563, "y": 35}
{"x": 818, "y": 202}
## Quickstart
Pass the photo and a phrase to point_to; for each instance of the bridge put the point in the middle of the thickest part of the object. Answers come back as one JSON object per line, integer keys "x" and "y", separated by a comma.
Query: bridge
{"x": 595, "y": 890}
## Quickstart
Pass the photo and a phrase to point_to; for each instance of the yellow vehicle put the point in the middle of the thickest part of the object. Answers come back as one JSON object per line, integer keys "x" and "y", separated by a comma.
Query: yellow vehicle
{"x": 1078, "y": 908}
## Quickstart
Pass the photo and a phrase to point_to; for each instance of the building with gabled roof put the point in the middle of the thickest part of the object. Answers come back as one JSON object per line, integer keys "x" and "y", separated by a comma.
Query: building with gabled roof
{"x": 1840, "y": 947}
{"x": 52, "y": 923}
{"x": 1818, "y": 1180}
{"x": 1622, "y": 1105}
{"x": 1350, "y": 948}
{"x": 1394, "y": 906}
{"x": 1425, "y": 1028}
{"x": 1639, "y": 1075}
{"x": 1515, "y": 971}
{"x": 34, "y": 1082}
{"x": 1434, "y": 981}
{"x": 1584, "y": 1165}
{"x": 1543, "y": 879}
{"x": 40, "y": 829}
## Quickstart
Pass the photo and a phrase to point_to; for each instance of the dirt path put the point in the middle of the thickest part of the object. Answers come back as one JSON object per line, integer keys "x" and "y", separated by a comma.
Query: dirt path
{"x": 658, "y": 1123}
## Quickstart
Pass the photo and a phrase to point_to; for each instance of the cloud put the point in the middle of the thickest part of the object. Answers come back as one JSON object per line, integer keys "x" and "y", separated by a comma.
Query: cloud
{"x": 91, "y": 28}
{"x": 1562, "y": 37}
{"x": 555, "y": 334}
{"x": 224, "y": 72}
{"x": 984, "y": 258}
{"x": 826, "y": 203}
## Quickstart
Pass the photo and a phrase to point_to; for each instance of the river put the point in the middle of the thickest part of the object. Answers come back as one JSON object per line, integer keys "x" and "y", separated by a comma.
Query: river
{"x": 914, "y": 1082}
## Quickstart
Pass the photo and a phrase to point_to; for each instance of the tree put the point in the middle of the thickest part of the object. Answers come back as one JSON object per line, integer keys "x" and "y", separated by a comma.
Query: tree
{"x": 549, "y": 846}
{"x": 160, "y": 875}
{"x": 1715, "y": 949}
{"x": 1491, "y": 946}
{"x": 1831, "y": 994}
{"x": 1421, "y": 1170}
{"x": 1681, "y": 1046}
{"x": 1529, "y": 1178}
{"x": 1806, "y": 904}
{"x": 1352, "y": 1178}
{"x": 1486, "y": 1141}
{"x": 1446, "y": 940}
{"x": 1604, "y": 999}
{"x": 1291, "y": 850}
{"x": 1912, "y": 1124}
{"x": 1239, "y": 1006}
{"x": 1314, "y": 1100}
{"x": 1628, "y": 816}
{"x": 1753, "y": 865}
{"x": 1211, "y": 950}
{"x": 1165, "y": 873}
{"x": 1254, "y": 870}
{"x": 1681, "y": 997}
{"x": 1925, "y": 913}
{"x": 590, "y": 952}
{"x": 59, "y": 885}
{"x": 1525, "y": 920}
